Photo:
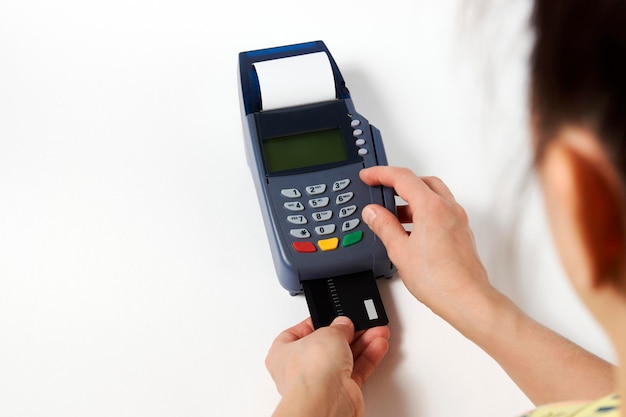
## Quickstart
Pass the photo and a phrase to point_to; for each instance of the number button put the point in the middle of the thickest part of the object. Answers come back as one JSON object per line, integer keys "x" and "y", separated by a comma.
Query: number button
{"x": 319, "y": 202}
{"x": 341, "y": 184}
{"x": 297, "y": 219}
{"x": 325, "y": 230}
{"x": 315, "y": 189}
{"x": 322, "y": 216}
{"x": 344, "y": 198}
{"x": 294, "y": 206}
{"x": 291, "y": 193}
{"x": 350, "y": 225}
{"x": 300, "y": 233}
{"x": 347, "y": 211}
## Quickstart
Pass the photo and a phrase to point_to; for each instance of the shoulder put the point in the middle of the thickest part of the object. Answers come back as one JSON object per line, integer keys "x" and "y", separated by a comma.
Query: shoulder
{"x": 604, "y": 407}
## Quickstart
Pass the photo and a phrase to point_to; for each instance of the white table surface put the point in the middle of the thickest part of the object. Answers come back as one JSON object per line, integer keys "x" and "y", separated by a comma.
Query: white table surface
{"x": 135, "y": 276}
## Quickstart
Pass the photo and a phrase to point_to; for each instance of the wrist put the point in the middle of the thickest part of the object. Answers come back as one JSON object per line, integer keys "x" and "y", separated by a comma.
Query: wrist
{"x": 320, "y": 398}
{"x": 482, "y": 314}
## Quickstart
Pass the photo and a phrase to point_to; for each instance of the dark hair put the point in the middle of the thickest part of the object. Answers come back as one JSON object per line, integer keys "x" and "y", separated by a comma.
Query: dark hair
{"x": 578, "y": 72}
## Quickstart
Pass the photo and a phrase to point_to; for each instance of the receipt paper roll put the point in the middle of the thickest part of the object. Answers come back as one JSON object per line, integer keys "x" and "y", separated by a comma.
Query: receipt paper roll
{"x": 295, "y": 81}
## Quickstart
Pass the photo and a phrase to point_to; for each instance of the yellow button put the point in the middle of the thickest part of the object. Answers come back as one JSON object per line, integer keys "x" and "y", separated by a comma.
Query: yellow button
{"x": 328, "y": 244}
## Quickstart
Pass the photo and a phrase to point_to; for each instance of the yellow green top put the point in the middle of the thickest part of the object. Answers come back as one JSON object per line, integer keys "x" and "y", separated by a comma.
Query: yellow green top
{"x": 604, "y": 407}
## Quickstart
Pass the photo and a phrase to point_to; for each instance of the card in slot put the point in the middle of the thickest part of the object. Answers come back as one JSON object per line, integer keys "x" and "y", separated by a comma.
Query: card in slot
{"x": 355, "y": 296}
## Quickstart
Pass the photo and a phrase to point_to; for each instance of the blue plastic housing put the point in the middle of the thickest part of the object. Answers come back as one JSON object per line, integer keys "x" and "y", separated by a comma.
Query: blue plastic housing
{"x": 292, "y": 266}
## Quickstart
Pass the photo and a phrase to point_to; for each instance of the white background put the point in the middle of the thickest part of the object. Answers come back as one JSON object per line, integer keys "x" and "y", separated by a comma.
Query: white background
{"x": 135, "y": 276}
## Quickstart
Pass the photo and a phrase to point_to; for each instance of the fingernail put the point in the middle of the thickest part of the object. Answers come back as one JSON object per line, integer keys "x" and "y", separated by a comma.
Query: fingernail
{"x": 341, "y": 321}
{"x": 368, "y": 214}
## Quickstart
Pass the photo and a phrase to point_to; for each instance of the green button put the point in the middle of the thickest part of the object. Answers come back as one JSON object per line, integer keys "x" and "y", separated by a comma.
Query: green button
{"x": 352, "y": 239}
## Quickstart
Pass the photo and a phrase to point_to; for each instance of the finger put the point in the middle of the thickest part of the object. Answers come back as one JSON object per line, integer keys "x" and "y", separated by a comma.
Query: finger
{"x": 366, "y": 337}
{"x": 369, "y": 359}
{"x": 345, "y": 326}
{"x": 292, "y": 334}
{"x": 385, "y": 225}
{"x": 297, "y": 332}
{"x": 438, "y": 186}
{"x": 406, "y": 184}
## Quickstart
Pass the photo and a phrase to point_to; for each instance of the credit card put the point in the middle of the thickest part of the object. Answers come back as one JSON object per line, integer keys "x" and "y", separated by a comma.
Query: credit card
{"x": 355, "y": 296}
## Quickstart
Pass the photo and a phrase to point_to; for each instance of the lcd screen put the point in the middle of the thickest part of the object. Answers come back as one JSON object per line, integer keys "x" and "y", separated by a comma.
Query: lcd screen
{"x": 304, "y": 150}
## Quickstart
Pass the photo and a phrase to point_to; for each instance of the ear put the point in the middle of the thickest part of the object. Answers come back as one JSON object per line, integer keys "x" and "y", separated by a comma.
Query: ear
{"x": 585, "y": 205}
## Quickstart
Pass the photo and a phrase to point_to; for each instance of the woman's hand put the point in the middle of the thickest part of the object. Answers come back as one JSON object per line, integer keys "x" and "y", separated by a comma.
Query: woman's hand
{"x": 321, "y": 372}
{"x": 437, "y": 261}
{"x": 439, "y": 264}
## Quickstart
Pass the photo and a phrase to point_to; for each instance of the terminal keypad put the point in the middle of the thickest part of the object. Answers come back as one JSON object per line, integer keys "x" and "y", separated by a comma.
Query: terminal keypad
{"x": 314, "y": 212}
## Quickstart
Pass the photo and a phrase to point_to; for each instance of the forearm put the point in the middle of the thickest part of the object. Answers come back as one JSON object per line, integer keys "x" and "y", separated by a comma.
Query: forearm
{"x": 545, "y": 365}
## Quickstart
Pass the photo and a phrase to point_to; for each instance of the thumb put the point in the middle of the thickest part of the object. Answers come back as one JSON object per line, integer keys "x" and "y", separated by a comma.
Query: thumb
{"x": 345, "y": 326}
{"x": 384, "y": 224}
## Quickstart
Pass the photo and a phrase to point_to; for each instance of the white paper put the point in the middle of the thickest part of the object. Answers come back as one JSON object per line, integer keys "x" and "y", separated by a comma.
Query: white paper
{"x": 294, "y": 81}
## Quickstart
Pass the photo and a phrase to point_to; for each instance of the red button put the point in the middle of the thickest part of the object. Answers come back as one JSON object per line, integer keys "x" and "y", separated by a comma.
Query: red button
{"x": 304, "y": 247}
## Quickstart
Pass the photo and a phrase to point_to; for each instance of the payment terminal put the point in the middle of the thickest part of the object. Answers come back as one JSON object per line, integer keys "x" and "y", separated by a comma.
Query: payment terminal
{"x": 305, "y": 145}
